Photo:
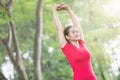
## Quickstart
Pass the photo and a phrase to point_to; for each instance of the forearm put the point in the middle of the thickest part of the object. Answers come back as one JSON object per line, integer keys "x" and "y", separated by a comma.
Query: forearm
{"x": 59, "y": 27}
{"x": 73, "y": 18}
{"x": 57, "y": 21}
{"x": 75, "y": 22}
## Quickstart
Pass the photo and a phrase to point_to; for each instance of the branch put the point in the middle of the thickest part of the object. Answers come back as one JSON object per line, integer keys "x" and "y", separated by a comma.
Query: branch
{"x": 1, "y": 4}
{"x": 15, "y": 41}
{"x": 38, "y": 41}
{"x": 9, "y": 4}
{"x": 1, "y": 39}
{"x": 9, "y": 35}
{"x": 7, "y": 49}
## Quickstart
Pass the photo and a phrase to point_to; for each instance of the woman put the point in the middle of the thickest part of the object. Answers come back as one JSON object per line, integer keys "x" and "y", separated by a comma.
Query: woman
{"x": 73, "y": 46}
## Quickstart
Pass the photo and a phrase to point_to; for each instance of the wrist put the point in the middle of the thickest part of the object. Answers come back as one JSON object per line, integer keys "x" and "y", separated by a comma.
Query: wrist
{"x": 68, "y": 9}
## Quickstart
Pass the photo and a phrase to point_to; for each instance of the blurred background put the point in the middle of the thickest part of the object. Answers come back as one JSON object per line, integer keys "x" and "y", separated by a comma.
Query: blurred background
{"x": 100, "y": 20}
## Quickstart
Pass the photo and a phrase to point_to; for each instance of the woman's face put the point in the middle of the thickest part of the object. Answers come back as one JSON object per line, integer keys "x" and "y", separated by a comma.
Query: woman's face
{"x": 74, "y": 34}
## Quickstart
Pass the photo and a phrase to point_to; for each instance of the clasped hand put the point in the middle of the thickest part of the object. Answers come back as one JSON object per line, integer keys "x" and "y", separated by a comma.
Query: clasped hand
{"x": 62, "y": 7}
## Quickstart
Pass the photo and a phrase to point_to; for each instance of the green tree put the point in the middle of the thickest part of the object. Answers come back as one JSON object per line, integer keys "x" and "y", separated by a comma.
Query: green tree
{"x": 98, "y": 29}
{"x": 12, "y": 36}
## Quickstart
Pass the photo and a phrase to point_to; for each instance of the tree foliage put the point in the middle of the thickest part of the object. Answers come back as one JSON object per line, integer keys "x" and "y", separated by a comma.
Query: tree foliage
{"x": 98, "y": 29}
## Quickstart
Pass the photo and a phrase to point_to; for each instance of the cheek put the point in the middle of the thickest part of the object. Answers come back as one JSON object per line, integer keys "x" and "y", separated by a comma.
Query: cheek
{"x": 79, "y": 34}
{"x": 71, "y": 35}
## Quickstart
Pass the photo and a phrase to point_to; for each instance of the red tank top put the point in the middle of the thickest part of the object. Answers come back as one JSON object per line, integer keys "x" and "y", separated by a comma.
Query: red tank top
{"x": 79, "y": 59}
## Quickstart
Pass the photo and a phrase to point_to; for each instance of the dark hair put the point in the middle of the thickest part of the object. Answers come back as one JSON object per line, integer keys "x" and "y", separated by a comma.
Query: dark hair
{"x": 66, "y": 32}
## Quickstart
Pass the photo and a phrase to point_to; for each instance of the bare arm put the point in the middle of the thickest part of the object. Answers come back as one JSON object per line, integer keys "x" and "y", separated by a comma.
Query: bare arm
{"x": 73, "y": 18}
{"x": 76, "y": 23}
{"x": 59, "y": 27}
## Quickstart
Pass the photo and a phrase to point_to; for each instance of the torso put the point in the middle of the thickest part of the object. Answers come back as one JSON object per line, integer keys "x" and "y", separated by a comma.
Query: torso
{"x": 79, "y": 59}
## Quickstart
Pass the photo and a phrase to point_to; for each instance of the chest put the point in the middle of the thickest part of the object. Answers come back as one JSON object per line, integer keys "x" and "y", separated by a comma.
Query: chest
{"x": 78, "y": 55}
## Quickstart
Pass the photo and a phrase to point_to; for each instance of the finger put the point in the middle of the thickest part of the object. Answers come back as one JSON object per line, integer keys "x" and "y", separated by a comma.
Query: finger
{"x": 59, "y": 8}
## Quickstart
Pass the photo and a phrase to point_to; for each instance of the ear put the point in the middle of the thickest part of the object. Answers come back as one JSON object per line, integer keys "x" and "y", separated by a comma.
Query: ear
{"x": 67, "y": 37}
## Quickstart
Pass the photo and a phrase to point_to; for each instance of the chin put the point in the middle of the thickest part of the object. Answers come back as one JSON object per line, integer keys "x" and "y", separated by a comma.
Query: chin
{"x": 78, "y": 39}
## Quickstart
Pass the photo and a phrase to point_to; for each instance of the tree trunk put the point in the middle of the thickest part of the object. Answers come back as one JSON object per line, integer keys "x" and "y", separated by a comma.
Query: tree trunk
{"x": 37, "y": 44}
{"x": 18, "y": 65}
{"x": 2, "y": 77}
{"x": 17, "y": 62}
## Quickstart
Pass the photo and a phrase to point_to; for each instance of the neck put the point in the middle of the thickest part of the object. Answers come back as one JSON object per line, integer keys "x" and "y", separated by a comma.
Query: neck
{"x": 75, "y": 43}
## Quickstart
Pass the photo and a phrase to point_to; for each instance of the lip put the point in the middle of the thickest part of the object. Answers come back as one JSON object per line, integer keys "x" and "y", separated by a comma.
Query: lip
{"x": 76, "y": 36}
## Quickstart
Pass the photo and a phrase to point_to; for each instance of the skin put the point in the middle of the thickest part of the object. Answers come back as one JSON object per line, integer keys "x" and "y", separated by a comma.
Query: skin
{"x": 75, "y": 33}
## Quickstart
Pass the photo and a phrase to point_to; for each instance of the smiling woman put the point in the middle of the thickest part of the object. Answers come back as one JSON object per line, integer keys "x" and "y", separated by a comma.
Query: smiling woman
{"x": 73, "y": 45}
{"x": 112, "y": 8}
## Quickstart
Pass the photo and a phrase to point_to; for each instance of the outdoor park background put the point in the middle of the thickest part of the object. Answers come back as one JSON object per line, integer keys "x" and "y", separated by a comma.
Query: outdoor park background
{"x": 100, "y": 20}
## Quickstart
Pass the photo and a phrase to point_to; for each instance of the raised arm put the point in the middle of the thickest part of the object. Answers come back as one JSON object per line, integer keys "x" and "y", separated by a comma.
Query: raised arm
{"x": 73, "y": 18}
{"x": 58, "y": 24}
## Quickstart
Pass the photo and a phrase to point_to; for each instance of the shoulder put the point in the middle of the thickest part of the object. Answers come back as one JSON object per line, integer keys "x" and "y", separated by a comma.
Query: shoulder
{"x": 62, "y": 44}
{"x": 66, "y": 49}
{"x": 66, "y": 46}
